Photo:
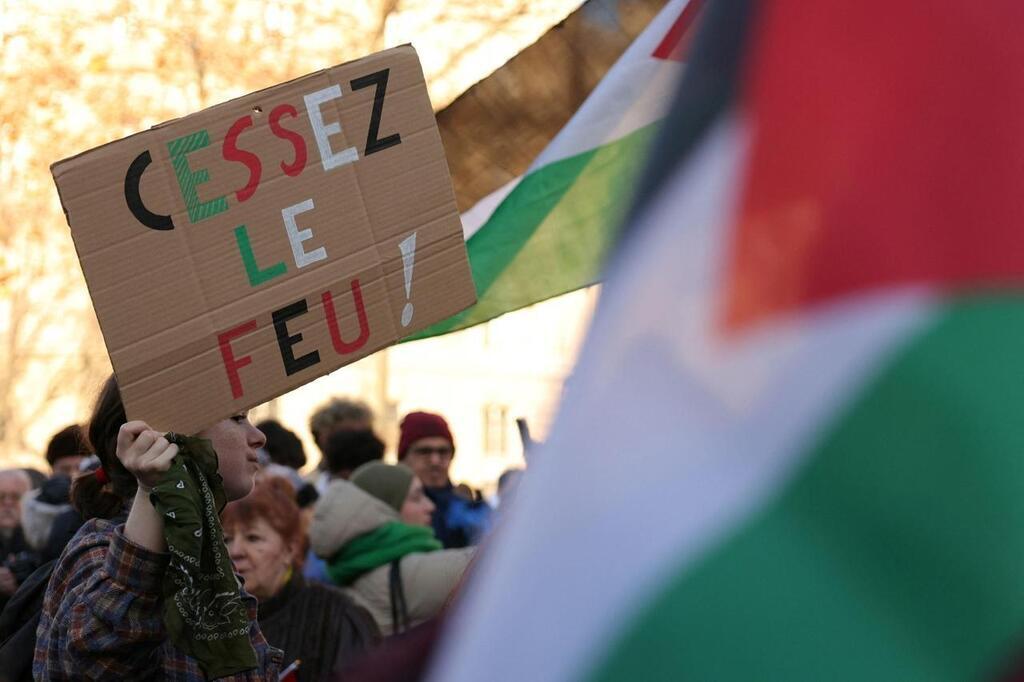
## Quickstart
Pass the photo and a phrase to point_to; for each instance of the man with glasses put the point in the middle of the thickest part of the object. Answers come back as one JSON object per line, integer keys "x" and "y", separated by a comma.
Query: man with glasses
{"x": 426, "y": 446}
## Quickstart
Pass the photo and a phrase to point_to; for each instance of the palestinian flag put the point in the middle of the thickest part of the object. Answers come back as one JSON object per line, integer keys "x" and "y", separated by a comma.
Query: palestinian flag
{"x": 794, "y": 444}
{"x": 549, "y": 232}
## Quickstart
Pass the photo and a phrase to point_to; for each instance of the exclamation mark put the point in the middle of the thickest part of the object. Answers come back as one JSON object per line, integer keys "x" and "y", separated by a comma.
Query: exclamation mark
{"x": 408, "y": 248}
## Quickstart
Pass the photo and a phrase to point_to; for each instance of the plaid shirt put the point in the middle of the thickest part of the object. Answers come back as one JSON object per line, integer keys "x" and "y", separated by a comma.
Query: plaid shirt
{"x": 102, "y": 617}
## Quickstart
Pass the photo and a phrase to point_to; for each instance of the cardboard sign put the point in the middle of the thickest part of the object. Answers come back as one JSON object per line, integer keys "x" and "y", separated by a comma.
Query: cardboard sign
{"x": 247, "y": 249}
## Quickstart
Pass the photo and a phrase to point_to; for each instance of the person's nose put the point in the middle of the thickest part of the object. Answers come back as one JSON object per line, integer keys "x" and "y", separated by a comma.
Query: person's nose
{"x": 236, "y": 549}
{"x": 256, "y": 438}
{"x": 430, "y": 505}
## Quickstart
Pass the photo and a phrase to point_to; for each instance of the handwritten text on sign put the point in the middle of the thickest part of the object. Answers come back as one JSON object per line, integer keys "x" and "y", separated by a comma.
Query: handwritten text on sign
{"x": 313, "y": 200}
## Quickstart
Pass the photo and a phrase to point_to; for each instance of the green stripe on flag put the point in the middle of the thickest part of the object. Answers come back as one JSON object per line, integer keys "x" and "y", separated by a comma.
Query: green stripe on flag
{"x": 551, "y": 234}
{"x": 897, "y": 553}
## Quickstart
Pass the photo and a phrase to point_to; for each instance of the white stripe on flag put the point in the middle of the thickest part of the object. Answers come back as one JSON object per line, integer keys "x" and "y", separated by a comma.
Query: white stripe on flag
{"x": 634, "y": 93}
{"x": 669, "y": 436}
{"x": 477, "y": 217}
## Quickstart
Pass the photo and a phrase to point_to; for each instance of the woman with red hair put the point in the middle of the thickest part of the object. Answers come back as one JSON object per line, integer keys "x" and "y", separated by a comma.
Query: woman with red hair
{"x": 313, "y": 623}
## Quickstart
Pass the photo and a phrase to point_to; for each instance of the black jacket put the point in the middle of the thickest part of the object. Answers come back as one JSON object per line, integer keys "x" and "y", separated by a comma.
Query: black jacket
{"x": 317, "y": 624}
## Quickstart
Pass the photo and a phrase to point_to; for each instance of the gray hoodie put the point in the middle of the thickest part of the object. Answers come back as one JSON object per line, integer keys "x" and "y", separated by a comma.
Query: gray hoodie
{"x": 37, "y": 518}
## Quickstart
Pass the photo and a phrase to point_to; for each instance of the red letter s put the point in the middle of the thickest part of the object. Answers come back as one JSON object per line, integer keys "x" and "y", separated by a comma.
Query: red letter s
{"x": 296, "y": 166}
{"x": 251, "y": 161}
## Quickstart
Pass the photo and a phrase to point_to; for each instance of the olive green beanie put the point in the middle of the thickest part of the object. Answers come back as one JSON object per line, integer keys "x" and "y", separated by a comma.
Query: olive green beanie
{"x": 387, "y": 482}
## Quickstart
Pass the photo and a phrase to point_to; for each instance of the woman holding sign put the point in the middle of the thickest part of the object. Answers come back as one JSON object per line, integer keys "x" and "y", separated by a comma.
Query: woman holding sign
{"x": 145, "y": 589}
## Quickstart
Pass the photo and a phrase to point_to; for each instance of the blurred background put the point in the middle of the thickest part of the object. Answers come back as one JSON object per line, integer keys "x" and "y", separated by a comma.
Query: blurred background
{"x": 76, "y": 75}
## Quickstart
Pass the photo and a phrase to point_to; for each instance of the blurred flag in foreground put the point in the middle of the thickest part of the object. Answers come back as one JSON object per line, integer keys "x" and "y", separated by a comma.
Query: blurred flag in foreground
{"x": 794, "y": 445}
{"x": 549, "y": 232}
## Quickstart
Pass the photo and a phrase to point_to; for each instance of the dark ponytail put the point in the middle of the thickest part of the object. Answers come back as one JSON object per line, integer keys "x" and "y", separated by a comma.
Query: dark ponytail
{"x": 89, "y": 496}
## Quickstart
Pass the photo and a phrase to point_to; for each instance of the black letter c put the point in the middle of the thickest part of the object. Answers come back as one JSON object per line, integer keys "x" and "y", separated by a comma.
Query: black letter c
{"x": 134, "y": 200}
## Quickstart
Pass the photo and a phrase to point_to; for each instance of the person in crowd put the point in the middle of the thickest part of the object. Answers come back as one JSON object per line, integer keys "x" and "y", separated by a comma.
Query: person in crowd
{"x": 285, "y": 456}
{"x": 508, "y": 483}
{"x": 338, "y": 414}
{"x": 306, "y": 497}
{"x": 66, "y": 450}
{"x": 35, "y": 477}
{"x": 350, "y": 449}
{"x": 17, "y": 560}
{"x": 67, "y": 522}
{"x": 40, "y": 509}
{"x": 284, "y": 450}
{"x": 427, "y": 447}
{"x": 397, "y": 571}
{"x": 47, "y": 516}
{"x": 103, "y": 611}
{"x": 344, "y": 452}
{"x": 398, "y": 487}
{"x": 283, "y": 445}
{"x": 315, "y": 624}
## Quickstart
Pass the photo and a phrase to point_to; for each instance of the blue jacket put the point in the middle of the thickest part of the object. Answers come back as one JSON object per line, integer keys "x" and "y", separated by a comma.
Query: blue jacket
{"x": 458, "y": 522}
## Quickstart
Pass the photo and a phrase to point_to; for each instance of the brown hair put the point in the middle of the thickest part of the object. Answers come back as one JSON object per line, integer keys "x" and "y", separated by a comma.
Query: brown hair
{"x": 68, "y": 442}
{"x": 337, "y": 411}
{"x": 273, "y": 500}
{"x": 346, "y": 451}
{"x": 91, "y": 498}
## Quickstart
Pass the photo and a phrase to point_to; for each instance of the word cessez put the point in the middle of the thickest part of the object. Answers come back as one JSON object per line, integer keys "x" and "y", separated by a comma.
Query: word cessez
{"x": 189, "y": 178}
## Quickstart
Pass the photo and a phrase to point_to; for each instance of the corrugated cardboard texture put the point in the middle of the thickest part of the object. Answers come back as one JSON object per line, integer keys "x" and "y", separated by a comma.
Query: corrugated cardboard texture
{"x": 201, "y": 287}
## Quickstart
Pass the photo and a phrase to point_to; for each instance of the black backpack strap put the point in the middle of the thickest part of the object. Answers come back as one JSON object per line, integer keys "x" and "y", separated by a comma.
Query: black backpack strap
{"x": 399, "y": 609}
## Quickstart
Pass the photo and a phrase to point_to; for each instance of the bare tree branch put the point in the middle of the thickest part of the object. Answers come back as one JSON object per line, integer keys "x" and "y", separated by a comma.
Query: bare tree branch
{"x": 387, "y": 8}
{"x": 86, "y": 76}
{"x": 497, "y": 27}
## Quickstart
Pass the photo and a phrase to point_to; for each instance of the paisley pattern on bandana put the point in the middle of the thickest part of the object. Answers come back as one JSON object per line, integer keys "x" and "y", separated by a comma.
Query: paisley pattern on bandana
{"x": 203, "y": 609}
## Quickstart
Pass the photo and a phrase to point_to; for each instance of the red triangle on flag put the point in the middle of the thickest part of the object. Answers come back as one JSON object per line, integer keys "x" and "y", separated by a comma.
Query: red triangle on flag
{"x": 676, "y": 42}
{"x": 879, "y": 158}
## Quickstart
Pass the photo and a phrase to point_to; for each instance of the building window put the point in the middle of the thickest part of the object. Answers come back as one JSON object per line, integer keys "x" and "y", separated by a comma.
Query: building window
{"x": 495, "y": 429}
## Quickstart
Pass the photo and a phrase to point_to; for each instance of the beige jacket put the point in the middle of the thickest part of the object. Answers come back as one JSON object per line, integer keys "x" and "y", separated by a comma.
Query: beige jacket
{"x": 345, "y": 512}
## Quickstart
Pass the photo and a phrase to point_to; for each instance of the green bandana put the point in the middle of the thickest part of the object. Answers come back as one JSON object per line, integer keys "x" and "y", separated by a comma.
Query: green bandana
{"x": 379, "y": 547}
{"x": 203, "y": 610}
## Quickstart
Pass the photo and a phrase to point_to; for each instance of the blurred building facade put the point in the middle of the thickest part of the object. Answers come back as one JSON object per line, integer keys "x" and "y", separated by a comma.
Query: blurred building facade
{"x": 481, "y": 379}
{"x": 96, "y": 58}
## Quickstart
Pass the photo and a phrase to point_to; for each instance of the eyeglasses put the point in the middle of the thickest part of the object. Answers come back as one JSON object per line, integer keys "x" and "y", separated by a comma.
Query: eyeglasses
{"x": 427, "y": 451}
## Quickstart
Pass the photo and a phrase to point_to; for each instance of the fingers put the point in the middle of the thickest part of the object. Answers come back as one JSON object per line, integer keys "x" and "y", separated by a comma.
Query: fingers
{"x": 128, "y": 433}
{"x": 144, "y": 452}
{"x": 163, "y": 455}
{"x": 134, "y": 440}
{"x": 154, "y": 461}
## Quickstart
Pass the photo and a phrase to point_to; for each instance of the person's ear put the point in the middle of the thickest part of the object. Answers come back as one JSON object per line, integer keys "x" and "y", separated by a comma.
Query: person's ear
{"x": 294, "y": 551}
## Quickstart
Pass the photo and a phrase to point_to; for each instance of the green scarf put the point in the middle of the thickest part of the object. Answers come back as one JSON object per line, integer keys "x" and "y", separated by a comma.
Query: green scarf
{"x": 378, "y": 548}
{"x": 203, "y": 610}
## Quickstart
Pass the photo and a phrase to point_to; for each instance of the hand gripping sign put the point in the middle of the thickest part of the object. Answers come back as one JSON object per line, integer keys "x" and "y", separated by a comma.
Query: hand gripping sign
{"x": 249, "y": 248}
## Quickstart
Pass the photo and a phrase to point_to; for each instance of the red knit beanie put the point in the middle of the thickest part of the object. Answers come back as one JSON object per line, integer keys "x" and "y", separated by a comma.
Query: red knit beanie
{"x": 418, "y": 425}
